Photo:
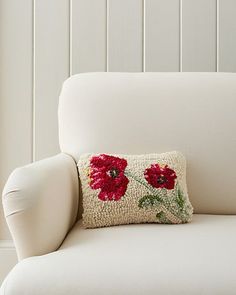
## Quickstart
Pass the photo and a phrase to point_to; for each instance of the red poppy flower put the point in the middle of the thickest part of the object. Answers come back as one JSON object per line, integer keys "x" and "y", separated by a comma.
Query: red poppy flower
{"x": 107, "y": 174}
{"x": 160, "y": 177}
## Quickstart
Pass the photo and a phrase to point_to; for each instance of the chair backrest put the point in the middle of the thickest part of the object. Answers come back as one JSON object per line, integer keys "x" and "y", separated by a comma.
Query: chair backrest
{"x": 136, "y": 113}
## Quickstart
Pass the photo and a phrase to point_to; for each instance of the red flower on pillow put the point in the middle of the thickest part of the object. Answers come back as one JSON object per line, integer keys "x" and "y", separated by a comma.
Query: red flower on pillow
{"x": 160, "y": 177}
{"x": 107, "y": 174}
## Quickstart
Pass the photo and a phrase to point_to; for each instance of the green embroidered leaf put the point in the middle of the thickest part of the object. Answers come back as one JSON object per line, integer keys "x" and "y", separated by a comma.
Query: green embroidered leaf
{"x": 162, "y": 217}
{"x": 180, "y": 200}
{"x": 149, "y": 200}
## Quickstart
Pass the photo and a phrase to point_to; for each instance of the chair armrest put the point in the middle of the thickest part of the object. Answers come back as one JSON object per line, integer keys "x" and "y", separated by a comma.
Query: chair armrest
{"x": 40, "y": 204}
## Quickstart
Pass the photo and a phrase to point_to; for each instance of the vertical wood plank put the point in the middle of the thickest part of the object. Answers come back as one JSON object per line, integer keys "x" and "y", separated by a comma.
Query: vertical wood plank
{"x": 125, "y": 50}
{"x": 227, "y": 36}
{"x": 15, "y": 90}
{"x": 199, "y": 35}
{"x": 88, "y": 37}
{"x": 162, "y": 27}
{"x": 51, "y": 69}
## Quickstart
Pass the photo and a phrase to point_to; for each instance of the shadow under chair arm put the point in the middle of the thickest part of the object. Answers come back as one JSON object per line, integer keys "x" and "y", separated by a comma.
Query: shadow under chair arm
{"x": 40, "y": 204}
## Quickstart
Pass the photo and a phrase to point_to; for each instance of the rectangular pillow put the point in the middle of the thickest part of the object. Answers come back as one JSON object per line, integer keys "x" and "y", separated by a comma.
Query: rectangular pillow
{"x": 123, "y": 189}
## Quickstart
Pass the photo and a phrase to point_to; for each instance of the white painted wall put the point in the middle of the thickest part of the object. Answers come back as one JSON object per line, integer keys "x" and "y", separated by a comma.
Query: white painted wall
{"x": 7, "y": 258}
{"x": 42, "y": 42}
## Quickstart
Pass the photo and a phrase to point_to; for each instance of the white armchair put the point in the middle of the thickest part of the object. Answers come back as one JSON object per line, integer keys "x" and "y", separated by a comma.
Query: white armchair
{"x": 130, "y": 113}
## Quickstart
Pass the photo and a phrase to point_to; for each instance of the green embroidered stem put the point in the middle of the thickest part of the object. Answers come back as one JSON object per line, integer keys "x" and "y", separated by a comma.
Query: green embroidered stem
{"x": 180, "y": 200}
{"x": 162, "y": 217}
{"x": 165, "y": 192}
{"x": 127, "y": 173}
{"x": 149, "y": 200}
{"x": 152, "y": 198}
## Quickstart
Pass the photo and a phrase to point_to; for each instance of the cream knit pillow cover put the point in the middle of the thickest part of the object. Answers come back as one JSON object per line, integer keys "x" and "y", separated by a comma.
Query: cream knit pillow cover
{"x": 123, "y": 189}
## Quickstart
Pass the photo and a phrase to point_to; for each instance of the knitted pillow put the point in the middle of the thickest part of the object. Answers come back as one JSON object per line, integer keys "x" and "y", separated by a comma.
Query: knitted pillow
{"x": 123, "y": 189}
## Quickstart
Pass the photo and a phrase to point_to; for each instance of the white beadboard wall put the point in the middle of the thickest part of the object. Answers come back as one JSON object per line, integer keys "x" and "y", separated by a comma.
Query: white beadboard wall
{"x": 42, "y": 42}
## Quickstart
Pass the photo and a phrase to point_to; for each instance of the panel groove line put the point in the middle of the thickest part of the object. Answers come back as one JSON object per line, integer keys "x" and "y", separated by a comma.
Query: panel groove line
{"x": 51, "y": 69}
{"x": 89, "y": 36}
{"x": 144, "y": 37}
{"x": 33, "y": 85}
{"x": 162, "y": 31}
{"x": 70, "y": 37}
{"x": 199, "y": 35}
{"x": 180, "y": 35}
{"x": 107, "y": 37}
{"x": 227, "y": 36}
{"x": 125, "y": 37}
{"x": 217, "y": 34}
{"x": 15, "y": 90}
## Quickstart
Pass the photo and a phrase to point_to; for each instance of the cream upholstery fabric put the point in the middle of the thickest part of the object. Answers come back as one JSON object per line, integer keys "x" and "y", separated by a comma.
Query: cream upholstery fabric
{"x": 40, "y": 204}
{"x": 191, "y": 259}
{"x": 140, "y": 113}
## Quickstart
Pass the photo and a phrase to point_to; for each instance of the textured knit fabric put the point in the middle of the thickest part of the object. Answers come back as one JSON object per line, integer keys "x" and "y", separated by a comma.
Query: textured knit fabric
{"x": 123, "y": 189}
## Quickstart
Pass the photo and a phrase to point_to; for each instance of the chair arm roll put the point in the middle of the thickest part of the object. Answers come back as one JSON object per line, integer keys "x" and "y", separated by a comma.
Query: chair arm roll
{"x": 40, "y": 204}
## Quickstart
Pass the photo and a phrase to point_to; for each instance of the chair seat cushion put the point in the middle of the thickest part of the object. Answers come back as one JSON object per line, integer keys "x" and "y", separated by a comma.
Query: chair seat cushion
{"x": 196, "y": 258}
